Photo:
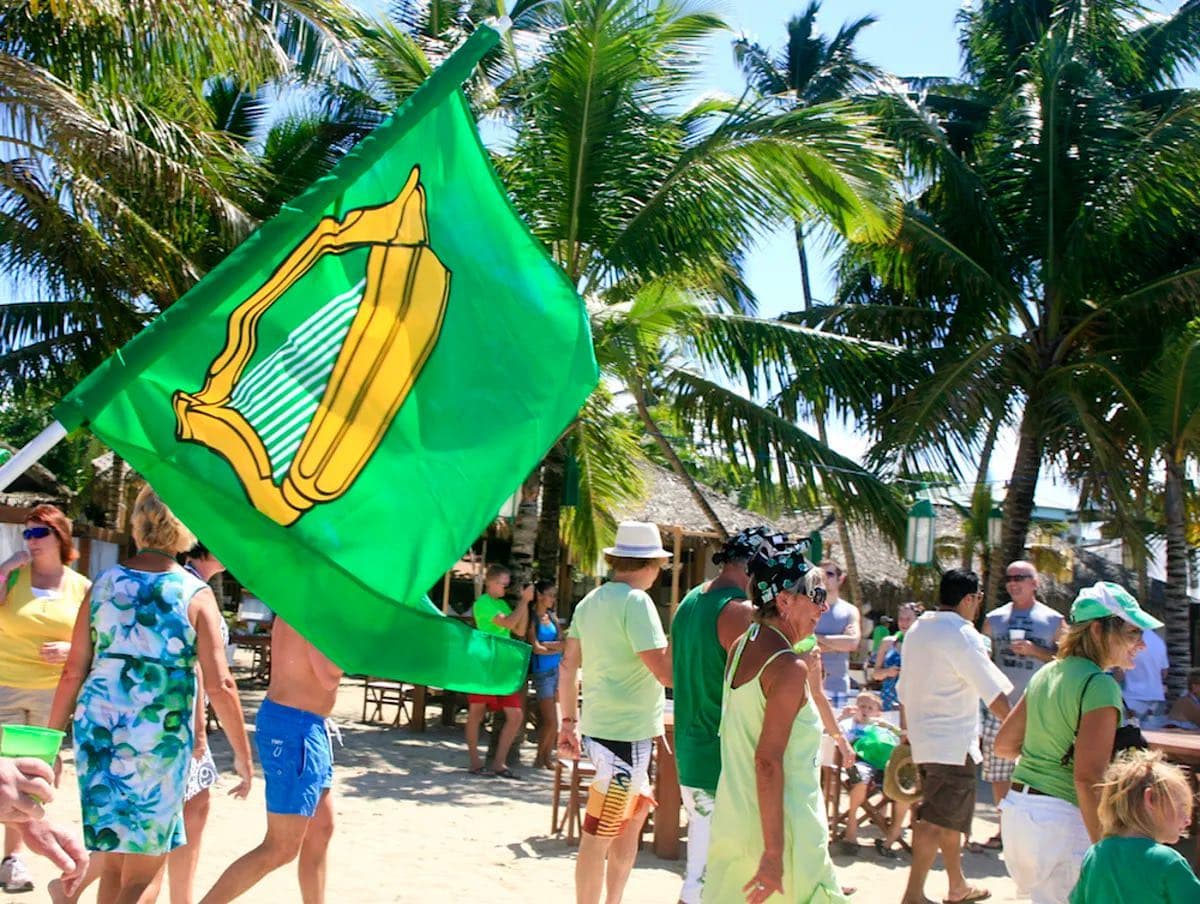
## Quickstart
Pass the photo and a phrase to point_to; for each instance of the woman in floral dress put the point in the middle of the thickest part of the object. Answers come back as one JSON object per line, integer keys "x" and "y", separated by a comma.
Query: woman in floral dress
{"x": 130, "y": 683}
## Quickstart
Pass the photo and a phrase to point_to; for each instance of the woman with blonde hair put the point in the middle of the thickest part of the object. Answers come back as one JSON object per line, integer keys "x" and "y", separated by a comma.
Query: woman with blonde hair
{"x": 40, "y": 595}
{"x": 1063, "y": 729}
{"x": 130, "y": 683}
{"x": 1145, "y": 805}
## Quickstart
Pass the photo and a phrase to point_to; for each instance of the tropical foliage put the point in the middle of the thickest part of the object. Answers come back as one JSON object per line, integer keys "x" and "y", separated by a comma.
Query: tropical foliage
{"x": 1054, "y": 191}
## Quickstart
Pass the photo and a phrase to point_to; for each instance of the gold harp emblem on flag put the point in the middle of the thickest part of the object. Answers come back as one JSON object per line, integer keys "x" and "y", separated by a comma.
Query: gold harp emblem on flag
{"x": 388, "y": 325}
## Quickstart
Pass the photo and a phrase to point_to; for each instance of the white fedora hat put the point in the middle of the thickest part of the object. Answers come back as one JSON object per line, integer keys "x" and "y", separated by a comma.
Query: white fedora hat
{"x": 638, "y": 540}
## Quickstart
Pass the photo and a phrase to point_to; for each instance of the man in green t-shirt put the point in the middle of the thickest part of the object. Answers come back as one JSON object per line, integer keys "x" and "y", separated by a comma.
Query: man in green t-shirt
{"x": 617, "y": 637}
{"x": 493, "y": 616}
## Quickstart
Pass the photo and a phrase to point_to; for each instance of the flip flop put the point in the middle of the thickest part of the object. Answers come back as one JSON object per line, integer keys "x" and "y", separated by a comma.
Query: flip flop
{"x": 482, "y": 770}
{"x": 884, "y": 851}
{"x": 995, "y": 843}
{"x": 973, "y": 894}
{"x": 506, "y": 773}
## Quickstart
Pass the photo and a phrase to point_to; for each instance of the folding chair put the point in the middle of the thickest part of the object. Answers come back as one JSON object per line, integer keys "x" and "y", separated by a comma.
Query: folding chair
{"x": 878, "y": 810}
{"x": 571, "y": 776}
{"x": 379, "y": 693}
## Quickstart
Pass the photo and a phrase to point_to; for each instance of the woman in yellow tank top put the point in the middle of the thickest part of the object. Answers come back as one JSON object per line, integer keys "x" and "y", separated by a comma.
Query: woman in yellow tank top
{"x": 39, "y": 598}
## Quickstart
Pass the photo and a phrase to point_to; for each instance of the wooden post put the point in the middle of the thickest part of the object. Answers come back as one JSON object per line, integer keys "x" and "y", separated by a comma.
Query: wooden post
{"x": 676, "y": 549}
{"x": 446, "y": 594}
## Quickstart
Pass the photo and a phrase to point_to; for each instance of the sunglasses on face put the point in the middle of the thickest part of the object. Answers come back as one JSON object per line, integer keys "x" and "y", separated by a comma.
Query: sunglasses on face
{"x": 36, "y": 533}
{"x": 1010, "y": 578}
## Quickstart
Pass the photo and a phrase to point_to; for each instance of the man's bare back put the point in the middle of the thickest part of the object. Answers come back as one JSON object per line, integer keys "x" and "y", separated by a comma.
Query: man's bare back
{"x": 302, "y": 677}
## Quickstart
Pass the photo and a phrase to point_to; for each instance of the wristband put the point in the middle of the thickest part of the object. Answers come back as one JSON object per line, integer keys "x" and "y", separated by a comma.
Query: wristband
{"x": 569, "y": 720}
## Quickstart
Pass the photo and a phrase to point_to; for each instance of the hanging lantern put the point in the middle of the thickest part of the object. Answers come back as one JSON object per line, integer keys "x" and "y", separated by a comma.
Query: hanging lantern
{"x": 995, "y": 527}
{"x": 918, "y": 547}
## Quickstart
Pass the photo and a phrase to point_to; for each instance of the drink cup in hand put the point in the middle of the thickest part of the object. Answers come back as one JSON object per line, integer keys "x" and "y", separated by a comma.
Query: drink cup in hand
{"x": 1016, "y": 634}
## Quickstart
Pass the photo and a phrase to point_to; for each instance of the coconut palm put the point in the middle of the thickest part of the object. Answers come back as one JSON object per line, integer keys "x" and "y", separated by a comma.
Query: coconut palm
{"x": 649, "y": 209}
{"x": 1054, "y": 195}
{"x": 120, "y": 184}
{"x": 811, "y": 70}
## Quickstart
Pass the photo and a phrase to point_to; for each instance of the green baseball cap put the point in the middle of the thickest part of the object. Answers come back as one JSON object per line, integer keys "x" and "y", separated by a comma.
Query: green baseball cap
{"x": 1105, "y": 598}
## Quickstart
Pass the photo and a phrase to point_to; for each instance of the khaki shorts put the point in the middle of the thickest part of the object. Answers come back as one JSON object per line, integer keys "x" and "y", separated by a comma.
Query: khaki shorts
{"x": 947, "y": 795}
{"x": 21, "y": 706}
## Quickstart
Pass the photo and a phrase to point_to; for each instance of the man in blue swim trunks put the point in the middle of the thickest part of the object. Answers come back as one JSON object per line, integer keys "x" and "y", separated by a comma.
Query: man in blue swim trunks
{"x": 297, "y": 760}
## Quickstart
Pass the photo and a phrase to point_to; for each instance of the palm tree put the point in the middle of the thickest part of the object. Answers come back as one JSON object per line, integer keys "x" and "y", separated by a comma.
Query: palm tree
{"x": 810, "y": 71}
{"x": 121, "y": 183}
{"x": 649, "y": 208}
{"x": 1054, "y": 193}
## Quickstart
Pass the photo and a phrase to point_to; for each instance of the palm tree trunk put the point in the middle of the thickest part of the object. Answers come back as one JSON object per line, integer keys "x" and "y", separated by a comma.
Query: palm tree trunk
{"x": 1018, "y": 505}
{"x": 548, "y": 547}
{"x": 1179, "y": 646}
{"x": 525, "y": 528}
{"x": 639, "y": 397}
{"x": 850, "y": 563}
{"x": 1141, "y": 552}
{"x": 985, "y": 462}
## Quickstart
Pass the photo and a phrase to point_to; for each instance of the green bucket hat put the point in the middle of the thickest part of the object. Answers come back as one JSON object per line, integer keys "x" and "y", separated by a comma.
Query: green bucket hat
{"x": 1105, "y": 598}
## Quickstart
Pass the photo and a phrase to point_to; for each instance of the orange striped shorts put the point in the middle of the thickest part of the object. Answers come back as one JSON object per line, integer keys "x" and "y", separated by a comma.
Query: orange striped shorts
{"x": 621, "y": 786}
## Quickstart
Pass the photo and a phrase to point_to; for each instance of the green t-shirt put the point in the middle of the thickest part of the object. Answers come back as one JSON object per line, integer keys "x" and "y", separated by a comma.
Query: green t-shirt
{"x": 622, "y": 700}
{"x": 877, "y": 637}
{"x": 1135, "y": 869}
{"x": 698, "y": 667}
{"x": 486, "y": 610}
{"x": 1052, "y": 711}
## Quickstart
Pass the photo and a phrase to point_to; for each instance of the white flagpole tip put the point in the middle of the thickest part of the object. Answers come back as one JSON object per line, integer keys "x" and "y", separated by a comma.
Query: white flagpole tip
{"x": 33, "y": 450}
{"x": 501, "y": 25}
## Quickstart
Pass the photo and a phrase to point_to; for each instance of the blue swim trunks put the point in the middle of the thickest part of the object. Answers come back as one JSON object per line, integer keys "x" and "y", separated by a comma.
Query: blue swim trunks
{"x": 296, "y": 756}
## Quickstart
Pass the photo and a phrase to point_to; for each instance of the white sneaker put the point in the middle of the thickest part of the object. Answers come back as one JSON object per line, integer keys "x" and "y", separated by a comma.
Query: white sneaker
{"x": 14, "y": 876}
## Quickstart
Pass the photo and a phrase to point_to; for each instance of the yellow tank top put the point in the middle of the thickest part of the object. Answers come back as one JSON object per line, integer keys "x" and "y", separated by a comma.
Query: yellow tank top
{"x": 27, "y": 621}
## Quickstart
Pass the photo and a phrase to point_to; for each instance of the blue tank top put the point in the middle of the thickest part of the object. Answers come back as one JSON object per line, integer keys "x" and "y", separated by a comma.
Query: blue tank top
{"x": 549, "y": 662}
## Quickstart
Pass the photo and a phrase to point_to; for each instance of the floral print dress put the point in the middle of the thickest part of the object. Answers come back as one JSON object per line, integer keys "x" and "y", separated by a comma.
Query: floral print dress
{"x": 133, "y": 720}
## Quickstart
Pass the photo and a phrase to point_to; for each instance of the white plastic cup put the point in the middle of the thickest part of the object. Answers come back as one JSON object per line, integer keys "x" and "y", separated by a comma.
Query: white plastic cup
{"x": 1016, "y": 634}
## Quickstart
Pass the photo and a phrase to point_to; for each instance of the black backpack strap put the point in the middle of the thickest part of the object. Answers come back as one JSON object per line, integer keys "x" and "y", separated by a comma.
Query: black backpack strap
{"x": 1070, "y": 754}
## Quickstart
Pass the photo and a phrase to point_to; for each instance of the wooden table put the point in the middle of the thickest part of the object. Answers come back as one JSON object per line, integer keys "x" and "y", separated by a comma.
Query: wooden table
{"x": 1181, "y": 747}
{"x": 667, "y": 794}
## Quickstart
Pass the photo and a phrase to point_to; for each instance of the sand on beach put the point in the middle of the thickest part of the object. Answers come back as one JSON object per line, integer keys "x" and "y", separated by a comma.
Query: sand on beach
{"x": 413, "y": 826}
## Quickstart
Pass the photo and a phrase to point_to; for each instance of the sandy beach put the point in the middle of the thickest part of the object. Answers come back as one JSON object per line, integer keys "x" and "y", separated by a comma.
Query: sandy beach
{"x": 413, "y": 826}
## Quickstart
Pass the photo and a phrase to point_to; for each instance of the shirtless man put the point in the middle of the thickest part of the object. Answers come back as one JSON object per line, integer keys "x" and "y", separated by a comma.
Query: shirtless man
{"x": 297, "y": 760}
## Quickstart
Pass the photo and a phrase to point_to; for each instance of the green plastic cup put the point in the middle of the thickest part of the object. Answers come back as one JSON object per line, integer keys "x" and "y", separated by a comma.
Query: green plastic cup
{"x": 29, "y": 740}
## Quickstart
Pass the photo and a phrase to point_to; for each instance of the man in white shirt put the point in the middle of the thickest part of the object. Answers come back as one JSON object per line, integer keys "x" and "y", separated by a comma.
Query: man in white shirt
{"x": 939, "y": 700}
{"x": 1145, "y": 696}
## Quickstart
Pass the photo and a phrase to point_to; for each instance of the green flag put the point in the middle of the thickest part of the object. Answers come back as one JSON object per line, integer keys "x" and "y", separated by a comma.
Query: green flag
{"x": 340, "y": 407}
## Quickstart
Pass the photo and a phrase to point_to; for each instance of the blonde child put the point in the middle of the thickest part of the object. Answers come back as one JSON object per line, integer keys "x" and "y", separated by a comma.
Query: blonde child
{"x": 1145, "y": 804}
{"x": 861, "y": 776}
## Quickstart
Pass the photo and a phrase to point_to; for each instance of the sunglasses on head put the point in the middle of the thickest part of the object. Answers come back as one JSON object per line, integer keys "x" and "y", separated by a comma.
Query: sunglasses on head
{"x": 36, "y": 533}
{"x": 818, "y": 596}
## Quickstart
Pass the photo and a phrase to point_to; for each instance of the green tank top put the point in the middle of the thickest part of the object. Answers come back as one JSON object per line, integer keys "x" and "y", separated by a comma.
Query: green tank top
{"x": 698, "y": 662}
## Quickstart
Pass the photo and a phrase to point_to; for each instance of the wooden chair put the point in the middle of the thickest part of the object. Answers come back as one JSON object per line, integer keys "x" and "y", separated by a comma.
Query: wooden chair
{"x": 878, "y": 810}
{"x": 571, "y": 776}
{"x": 379, "y": 693}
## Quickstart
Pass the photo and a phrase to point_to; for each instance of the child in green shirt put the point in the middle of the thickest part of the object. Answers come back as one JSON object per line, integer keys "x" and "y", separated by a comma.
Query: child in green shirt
{"x": 1145, "y": 805}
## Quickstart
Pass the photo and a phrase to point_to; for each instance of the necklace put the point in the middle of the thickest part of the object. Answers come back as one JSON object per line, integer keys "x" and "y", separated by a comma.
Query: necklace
{"x": 157, "y": 552}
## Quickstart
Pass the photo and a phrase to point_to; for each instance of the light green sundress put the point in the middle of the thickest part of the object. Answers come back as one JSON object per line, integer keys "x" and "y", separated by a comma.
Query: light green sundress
{"x": 737, "y": 843}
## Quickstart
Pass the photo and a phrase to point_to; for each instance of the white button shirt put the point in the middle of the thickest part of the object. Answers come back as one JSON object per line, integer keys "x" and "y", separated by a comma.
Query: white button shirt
{"x": 945, "y": 672}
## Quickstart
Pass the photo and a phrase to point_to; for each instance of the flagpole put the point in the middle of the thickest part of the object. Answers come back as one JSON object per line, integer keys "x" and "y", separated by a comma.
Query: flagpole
{"x": 30, "y": 453}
